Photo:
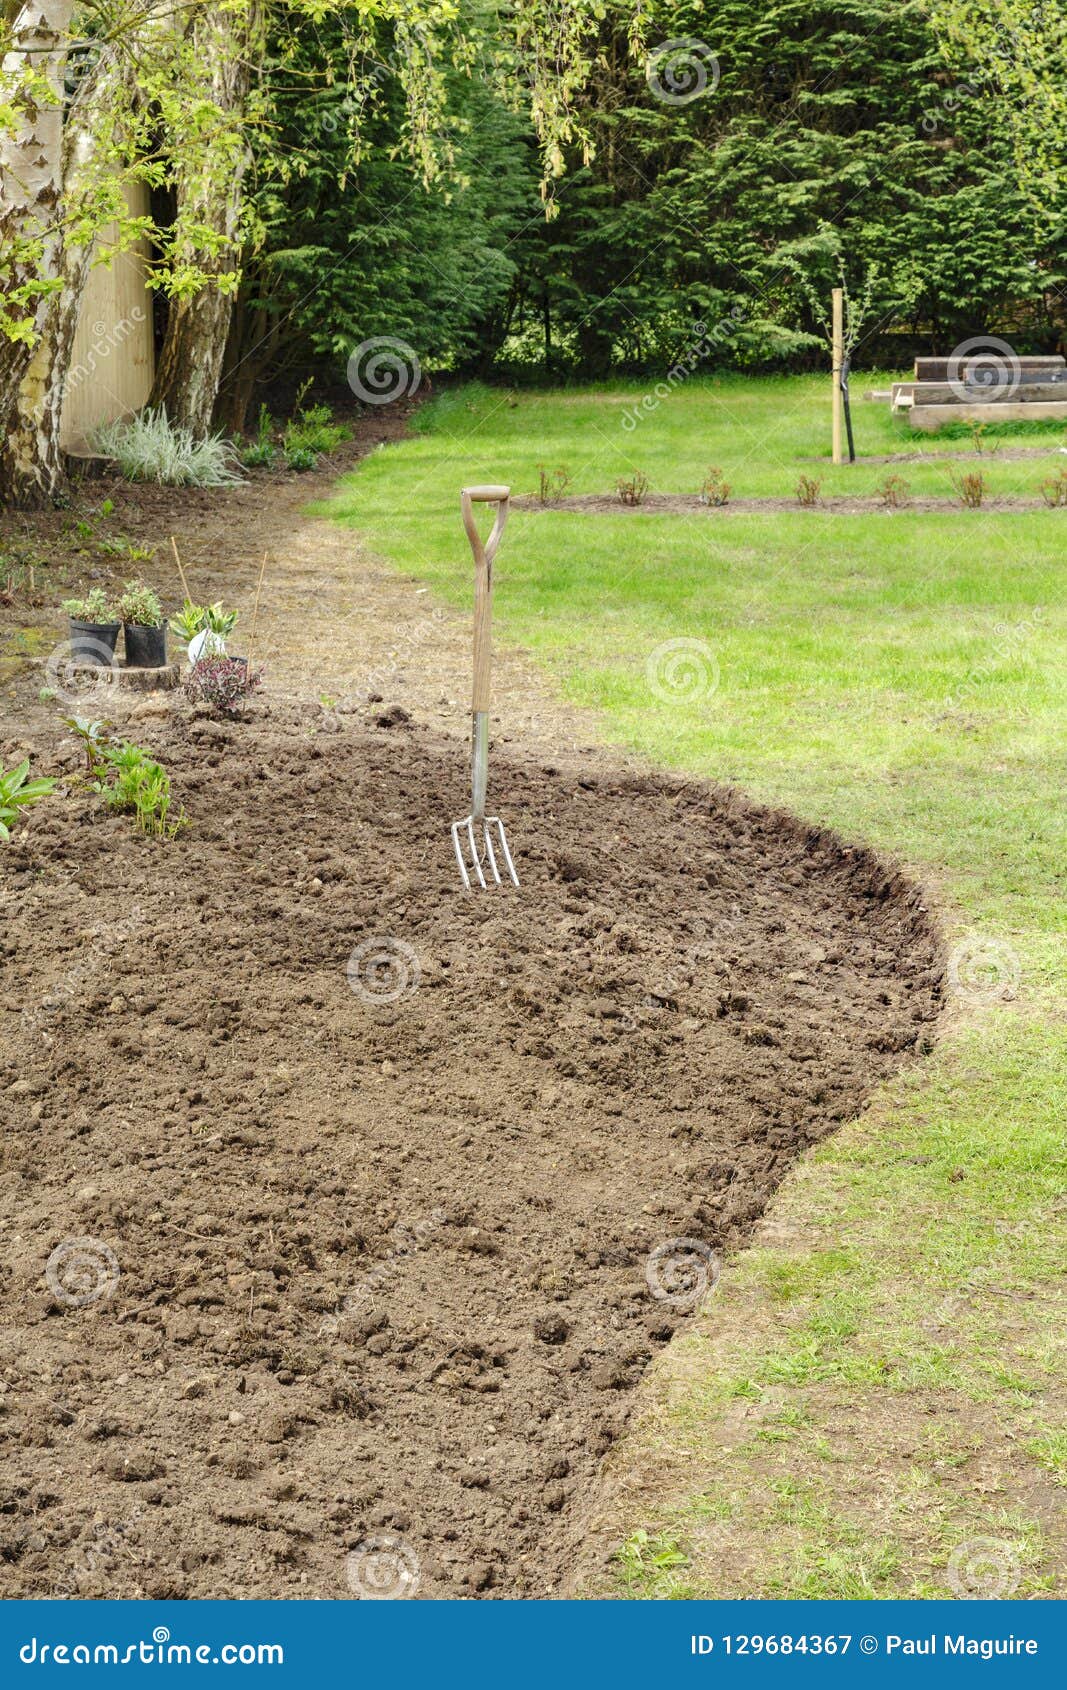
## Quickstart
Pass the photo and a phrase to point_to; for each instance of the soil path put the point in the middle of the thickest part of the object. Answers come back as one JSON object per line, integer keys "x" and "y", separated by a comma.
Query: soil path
{"x": 340, "y": 1213}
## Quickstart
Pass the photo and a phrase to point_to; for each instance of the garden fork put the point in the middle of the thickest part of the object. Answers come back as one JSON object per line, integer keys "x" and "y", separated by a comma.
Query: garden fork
{"x": 465, "y": 834}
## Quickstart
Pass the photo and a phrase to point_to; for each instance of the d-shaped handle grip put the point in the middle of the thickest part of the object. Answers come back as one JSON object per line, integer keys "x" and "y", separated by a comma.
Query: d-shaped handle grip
{"x": 487, "y": 495}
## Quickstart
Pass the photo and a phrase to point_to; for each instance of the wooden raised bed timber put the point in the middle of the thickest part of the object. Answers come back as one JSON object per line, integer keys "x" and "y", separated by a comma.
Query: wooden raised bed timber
{"x": 1032, "y": 389}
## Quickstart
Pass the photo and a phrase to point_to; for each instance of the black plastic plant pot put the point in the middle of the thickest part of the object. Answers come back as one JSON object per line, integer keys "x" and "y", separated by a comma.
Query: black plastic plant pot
{"x": 146, "y": 648}
{"x": 94, "y": 643}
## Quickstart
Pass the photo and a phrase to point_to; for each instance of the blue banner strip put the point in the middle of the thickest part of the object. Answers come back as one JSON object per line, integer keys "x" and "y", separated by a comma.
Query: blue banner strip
{"x": 553, "y": 1644}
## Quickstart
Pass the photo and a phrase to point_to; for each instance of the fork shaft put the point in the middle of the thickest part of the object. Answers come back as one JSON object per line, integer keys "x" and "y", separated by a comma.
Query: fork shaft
{"x": 479, "y": 763}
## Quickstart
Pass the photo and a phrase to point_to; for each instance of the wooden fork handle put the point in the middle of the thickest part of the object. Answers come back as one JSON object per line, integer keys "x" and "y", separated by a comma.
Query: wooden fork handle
{"x": 484, "y": 553}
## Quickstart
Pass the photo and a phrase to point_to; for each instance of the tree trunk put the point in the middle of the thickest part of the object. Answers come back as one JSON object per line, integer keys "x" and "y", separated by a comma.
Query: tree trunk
{"x": 31, "y": 234}
{"x": 210, "y": 195}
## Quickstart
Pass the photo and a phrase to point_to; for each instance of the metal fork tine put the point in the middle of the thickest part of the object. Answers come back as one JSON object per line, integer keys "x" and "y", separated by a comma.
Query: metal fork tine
{"x": 474, "y": 854}
{"x": 492, "y": 854}
{"x": 459, "y": 856}
{"x": 504, "y": 847}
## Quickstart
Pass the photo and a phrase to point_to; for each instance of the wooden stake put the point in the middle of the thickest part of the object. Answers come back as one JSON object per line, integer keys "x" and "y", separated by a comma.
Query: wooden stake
{"x": 838, "y": 362}
{"x": 255, "y": 611}
{"x": 181, "y": 571}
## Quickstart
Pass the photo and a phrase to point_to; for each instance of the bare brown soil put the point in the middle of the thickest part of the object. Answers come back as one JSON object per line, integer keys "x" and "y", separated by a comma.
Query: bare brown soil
{"x": 383, "y": 1238}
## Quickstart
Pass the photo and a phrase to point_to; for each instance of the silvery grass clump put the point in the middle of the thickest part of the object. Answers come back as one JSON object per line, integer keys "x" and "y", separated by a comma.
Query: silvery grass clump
{"x": 149, "y": 447}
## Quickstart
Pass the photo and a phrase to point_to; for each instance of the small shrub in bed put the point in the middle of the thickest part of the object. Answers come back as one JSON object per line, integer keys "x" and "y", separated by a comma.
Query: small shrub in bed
{"x": 715, "y": 489}
{"x": 632, "y": 491}
{"x": 808, "y": 490}
{"x": 894, "y": 493}
{"x": 970, "y": 488}
{"x": 1054, "y": 490}
{"x": 224, "y": 683}
{"x": 552, "y": 483}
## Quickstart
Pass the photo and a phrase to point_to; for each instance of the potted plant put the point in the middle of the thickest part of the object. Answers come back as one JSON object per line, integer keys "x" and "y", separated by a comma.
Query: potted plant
{"x": 94, "y": 630}
{"x": 204, "y": 629}
{"x": 144, "y": 627}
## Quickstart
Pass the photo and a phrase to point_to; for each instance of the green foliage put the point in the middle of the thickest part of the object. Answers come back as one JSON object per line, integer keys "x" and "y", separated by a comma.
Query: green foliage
{"x": 95, "y": 607}
{"x": 193, "y": 619}
{"x": 134, "y": 783}
{"x": 140, "y": 606}
{"x": 648, "y": 1562}
{"x": 260, "y": 452}
{"x": 94, "y": 737}
{"x": 17, "y": 793}
{"x": 313, "y": 430}
{"x": 151, "y": 448}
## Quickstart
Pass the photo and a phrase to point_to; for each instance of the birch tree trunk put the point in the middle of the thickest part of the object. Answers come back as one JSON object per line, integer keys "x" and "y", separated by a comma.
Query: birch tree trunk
{"x": 31, "y": 227}
{"x": 210, "y": 190}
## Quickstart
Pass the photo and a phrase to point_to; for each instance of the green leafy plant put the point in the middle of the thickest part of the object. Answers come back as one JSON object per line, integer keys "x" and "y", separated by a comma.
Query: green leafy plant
{"x": 193, "y": 619}
{"x": 301, "y": 458}
{"x": 632, "y": 491}
{"x": 970, "y": 488}
{"x": 95, "y": 607}
{"x": 132, "y": 782}
{"x": 94, "y": 736}
{"x": 17, "y": 793}
{"x": 260, "y": 453}
{"x": 139, "y": 605}
{"x": 894, "y": 493}
{"x": 552, "y": 483}
{"x": 149, "y": 447}
{"x": 117, "y": 545}
{"x": 808, "y": 489}
{"x": 311, "y": 429}
{"x": 714, "y": 489}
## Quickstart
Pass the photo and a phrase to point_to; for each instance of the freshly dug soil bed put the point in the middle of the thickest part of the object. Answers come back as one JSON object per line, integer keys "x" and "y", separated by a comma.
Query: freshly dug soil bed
{"x": 600, "y": 504}
{"x": 686, "y": 992}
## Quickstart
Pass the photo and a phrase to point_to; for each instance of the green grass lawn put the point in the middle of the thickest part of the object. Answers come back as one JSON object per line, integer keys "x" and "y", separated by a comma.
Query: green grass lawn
{"x": 890, "y": 1368}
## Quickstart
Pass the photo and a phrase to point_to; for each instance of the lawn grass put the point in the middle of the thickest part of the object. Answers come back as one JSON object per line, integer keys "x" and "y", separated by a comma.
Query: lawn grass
{"x": 892, "y": 1348}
